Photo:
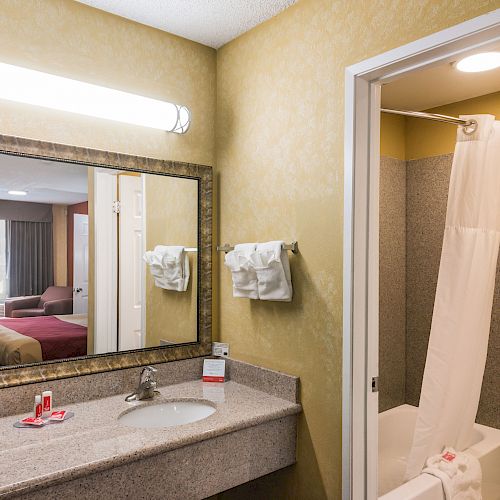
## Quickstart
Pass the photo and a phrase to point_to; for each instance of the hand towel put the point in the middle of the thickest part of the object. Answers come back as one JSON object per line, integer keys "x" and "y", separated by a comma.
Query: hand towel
{"x": 274, "y": 280}
{"x": 459, "y": 472}
{"x": 243, "y": 275}
{"x": 169, "y": 266}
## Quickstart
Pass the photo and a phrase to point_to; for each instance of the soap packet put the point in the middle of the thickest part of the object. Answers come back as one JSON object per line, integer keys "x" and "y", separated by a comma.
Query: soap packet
{"x": 36, "y": 421}
{"x": 58, "y": 416}
{"x": 55, "y": 417}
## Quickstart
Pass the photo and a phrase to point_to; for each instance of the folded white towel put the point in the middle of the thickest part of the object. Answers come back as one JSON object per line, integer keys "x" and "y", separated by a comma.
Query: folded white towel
{"x": 242, "y": 272}
{"x": 459, "y": 472}
{"x": 274, "y": 280}
{"x": 169, "y": 266}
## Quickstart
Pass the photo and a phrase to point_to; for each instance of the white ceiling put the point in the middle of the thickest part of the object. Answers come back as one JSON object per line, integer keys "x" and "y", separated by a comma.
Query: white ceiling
{"x": 210, "y": 22}
{"x": 439, "y": 85}
{"x": 45, "y": 181}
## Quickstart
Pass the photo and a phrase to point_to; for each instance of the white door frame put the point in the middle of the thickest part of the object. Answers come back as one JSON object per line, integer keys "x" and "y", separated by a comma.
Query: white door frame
{"x": 361, "y": 172}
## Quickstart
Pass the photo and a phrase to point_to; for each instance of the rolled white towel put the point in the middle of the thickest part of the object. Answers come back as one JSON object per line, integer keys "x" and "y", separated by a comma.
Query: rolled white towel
{"x": 459, "y": 472}
{"x": 274, "y": 280}
{"x": 242, "y": 272}
{"x": 169, "y": 266}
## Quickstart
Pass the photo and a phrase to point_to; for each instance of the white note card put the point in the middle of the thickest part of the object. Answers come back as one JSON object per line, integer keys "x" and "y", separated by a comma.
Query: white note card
{"x": 214, "y": 370}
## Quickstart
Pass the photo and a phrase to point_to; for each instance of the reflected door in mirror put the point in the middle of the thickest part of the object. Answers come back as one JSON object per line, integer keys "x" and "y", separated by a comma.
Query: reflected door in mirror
{"x": 80, "y": 264}
{"x": 131, "y": 263}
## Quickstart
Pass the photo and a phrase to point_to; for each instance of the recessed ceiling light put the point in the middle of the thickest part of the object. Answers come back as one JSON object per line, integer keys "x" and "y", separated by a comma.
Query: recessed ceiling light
{"x": 18, "y": 193}
{"x": 479, "y": 62}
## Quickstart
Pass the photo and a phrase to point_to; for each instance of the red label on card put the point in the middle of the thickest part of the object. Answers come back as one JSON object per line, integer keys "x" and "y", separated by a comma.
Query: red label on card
{"x": 33, "y": 421}
{"x": 208, "y": 378}
{"x": 58, "y": 415}
{"x": 449, "y": 457}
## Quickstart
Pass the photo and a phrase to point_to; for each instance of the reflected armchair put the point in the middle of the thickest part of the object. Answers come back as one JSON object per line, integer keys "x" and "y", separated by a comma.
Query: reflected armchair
{"x": 55, "y": 300}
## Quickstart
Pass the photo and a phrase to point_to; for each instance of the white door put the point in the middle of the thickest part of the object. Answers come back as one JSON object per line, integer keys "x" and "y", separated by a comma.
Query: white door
{"x": 131, "y": 265}
{"x": 80, "y": 263}
{"x": 105, "y": 261}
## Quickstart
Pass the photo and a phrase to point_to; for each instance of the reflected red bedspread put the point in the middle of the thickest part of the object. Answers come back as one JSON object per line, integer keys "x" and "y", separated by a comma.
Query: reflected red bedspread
{"x": 58, "y": 339}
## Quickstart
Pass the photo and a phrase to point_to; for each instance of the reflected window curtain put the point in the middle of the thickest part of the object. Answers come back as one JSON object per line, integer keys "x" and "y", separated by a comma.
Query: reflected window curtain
{"x": 30, "y": 268}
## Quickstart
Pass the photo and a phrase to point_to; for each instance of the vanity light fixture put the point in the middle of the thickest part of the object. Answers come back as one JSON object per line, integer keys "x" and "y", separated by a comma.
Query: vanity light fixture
{"x": 14, "y": 192}
{"x": 484, "y": 61}
{"x": 64, "y": 94}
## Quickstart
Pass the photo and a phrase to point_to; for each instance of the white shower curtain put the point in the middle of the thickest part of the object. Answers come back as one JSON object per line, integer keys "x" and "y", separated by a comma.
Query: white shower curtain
{"x": 458, "y": 341}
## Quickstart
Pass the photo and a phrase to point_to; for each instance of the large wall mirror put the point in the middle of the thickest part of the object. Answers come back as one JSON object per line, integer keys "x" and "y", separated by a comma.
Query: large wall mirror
{"x": 100, "y": 257}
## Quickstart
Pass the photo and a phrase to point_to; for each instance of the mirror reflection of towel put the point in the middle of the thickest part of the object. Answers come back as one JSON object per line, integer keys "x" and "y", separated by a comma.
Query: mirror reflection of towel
{"x": 169, "y": 266}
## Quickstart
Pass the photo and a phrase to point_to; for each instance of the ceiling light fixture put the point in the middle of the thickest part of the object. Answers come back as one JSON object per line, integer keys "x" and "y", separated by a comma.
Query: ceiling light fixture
{"x": 42, "y": 89}
{"x": 18, "y": 193}
{"x": 483, "y": 61}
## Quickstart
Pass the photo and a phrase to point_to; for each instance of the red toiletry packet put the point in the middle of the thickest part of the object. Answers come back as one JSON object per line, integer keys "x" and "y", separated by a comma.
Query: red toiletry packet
{"x": 448, "y": 456}
{"x": 57, "y": 416}
{"x": 37, "y": 421}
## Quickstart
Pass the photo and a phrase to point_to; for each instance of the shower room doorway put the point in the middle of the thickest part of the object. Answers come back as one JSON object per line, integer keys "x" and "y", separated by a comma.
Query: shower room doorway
{"x": 362, "y": 226}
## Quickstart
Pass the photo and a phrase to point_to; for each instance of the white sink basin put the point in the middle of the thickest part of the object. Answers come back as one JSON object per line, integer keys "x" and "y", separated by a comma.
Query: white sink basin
{"x": 167, "y": 414}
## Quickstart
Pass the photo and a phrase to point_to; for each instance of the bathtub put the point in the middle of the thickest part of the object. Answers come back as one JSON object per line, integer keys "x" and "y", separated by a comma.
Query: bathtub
{"x": 395, "y": 435}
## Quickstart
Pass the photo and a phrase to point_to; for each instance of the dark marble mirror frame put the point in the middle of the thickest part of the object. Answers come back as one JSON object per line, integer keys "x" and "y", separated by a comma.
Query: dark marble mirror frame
{"x": 50, "y": 370}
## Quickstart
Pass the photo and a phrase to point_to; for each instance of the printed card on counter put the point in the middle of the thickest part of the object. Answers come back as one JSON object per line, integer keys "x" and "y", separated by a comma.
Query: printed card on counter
{"x": 58, "y": 416}
{"x": 214, "y": 370}
{"x": 37, "y": 421}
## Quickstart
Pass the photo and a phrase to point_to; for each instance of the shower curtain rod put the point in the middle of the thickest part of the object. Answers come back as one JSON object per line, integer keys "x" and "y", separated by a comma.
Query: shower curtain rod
{"x": 469, "y": 125}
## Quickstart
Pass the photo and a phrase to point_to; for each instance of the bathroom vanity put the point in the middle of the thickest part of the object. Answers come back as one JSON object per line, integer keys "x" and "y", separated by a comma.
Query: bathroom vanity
{"x": 217, "y": 435}
{"x": 94, "y": 455}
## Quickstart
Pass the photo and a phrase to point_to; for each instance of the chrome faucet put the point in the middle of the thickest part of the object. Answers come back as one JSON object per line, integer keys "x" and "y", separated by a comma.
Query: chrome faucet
{"x": 147, "y": 385}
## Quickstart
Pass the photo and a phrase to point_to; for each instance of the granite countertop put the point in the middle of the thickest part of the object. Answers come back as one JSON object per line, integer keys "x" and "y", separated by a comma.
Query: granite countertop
{"x": 94, "y": 440}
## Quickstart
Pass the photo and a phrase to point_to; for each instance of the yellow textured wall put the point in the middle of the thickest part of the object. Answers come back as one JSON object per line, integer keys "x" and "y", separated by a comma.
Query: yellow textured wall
{"x": 393, "y": 136}
{"x": 171, "y": 219}
{"x": 60, "y": 238}
{"x": 425, "y": 138}
{"x": 70, "y": 39}
{"x": 280, "y": 108}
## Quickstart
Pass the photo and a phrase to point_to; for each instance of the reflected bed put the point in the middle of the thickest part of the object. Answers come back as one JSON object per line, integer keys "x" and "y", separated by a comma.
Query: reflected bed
{"x": 42, "y": 338}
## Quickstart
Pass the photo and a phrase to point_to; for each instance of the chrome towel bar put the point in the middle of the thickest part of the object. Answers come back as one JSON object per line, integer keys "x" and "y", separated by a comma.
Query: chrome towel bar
{"x": 293, "y": 246}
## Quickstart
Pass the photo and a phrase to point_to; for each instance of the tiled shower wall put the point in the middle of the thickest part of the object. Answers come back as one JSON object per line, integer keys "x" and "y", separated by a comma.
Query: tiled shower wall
{"x": 392, "y": 275}
{"x": 425, "y": 195}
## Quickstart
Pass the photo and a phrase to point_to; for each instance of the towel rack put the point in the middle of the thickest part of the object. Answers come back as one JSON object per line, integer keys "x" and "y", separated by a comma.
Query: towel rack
{"x": 293, "y": 246}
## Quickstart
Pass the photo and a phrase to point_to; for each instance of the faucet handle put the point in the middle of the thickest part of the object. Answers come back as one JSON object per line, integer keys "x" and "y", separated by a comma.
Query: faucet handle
{"x": 147, "y": 385}
{"x": 148, "y": 374}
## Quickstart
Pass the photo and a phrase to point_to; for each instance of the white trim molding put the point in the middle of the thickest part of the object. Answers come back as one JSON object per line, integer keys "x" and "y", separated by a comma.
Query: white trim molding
{"x": 361, "y": 171}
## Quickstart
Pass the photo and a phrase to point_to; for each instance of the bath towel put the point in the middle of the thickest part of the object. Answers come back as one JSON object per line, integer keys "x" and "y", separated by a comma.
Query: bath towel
{"x": 242, "y": 272}
{"x": 459, "y": 472}
{"x": 271, "y": 265}
{"x": 169, "y": 266}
